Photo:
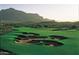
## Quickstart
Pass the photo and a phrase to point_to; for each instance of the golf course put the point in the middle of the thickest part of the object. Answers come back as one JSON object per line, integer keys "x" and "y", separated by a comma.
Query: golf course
{"x": 24, "y": 33}
{"x": 70, "y": 45}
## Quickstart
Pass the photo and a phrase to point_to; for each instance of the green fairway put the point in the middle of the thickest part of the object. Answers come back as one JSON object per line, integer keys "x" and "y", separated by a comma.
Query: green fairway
{"x": 70, "y": 47}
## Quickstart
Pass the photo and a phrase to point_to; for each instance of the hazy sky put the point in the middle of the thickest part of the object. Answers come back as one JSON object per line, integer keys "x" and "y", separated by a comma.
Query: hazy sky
{"x": 59, "y": 12}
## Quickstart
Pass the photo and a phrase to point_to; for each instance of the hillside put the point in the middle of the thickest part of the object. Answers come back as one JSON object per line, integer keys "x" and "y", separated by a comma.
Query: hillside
{"x": 21, "y": 18}
{"x": 13, "y": 15}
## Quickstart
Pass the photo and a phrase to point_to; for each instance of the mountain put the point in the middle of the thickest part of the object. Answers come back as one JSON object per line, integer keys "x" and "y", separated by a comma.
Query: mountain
{"x": 13, "y": 15}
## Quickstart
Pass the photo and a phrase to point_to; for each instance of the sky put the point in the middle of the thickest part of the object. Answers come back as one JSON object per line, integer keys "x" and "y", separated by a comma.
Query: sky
{"x": 58, "y": 12}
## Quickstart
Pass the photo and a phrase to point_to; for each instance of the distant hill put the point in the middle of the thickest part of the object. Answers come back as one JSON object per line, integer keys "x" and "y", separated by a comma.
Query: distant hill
{"x": 13, "y": 15}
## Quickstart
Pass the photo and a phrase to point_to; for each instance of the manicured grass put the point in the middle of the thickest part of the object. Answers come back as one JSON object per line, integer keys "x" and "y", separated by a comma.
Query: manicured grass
{"x": 70, "y": 47}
